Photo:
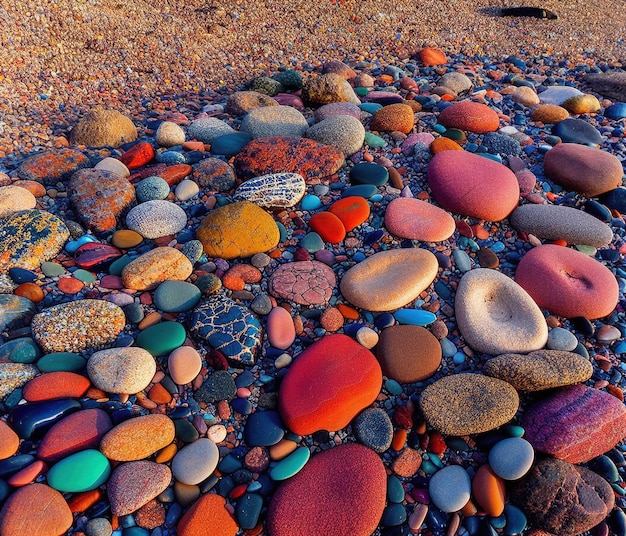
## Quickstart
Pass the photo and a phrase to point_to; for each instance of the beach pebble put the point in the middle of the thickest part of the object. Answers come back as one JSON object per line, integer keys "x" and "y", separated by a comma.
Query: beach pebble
{"x": 82, "y": 471}
{"x": 327, "y": 88}
{"x": 351, "y": 210}
{"x": 169, "y": 134}
{"x": 450, "y": 488}
{"x": 305, "y": 282}
{"x": 156, "y": 218}
{"x": 134, "y": 484}
{"x": 472, "y": 116}
{"x": 369, "y": 173}
{"x": 394, "y": 117}
{"x": 456, "y": 82}
{"x": 373, "y": 428}
{"x": 389, "y": 279}
{"x": 176, "y": 296}
{"x": 184, "y": 364}
{"x": 411, "y": 218}
{"x": 561, "y": 339}
{"x": 548, "y": 113}
{"x": 140, "y": 154}
{"x": 152, "y": 189}
{"x": 100, "y": 127}
{"x": 52, "y": 385}
{"x": 269, "y": 121}
{"x": 186, "y": 190}
{"x": 280, "y": 190}
{"x": 343, "y": 132}
{"x": 121, "y": 370}
{"x": 280, "y": 329}
{"x": 138, "y": 438}
{"x": 341, "y": 391}
{"x": 337, "y": 108}
{"x": 557, "y": 95}
{"x": 525, "y": 95}
{"x": 242, "y": 102}
{"x": 50, "y": 167}
{"x": 577, "y": 131}
{"x": 468, "y": 404}
{"x": 195, "y": 462}
{"x": 432, "y": 56}
{"x": 15, "y": 375}
{"x": 511, "y": 458}
{"x": 207, "y": 129}
{"x": 328, "y": 226}
{"x": 495, "y": 315}
{"x": 113, "y": 165}
{"x": 214, "y": 175}
{"x": 14, "y": 199}
{"x": 582, "y": 104}
{"x": 9, "y": 441}
{"x": 567, "y": 282}
{"x": 208, "y": 511}
{"x": 155, "y": 266}
{"x": 488, "y": 490}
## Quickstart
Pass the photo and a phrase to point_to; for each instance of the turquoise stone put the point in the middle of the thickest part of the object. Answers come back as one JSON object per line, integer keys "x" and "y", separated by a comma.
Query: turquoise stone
{"x": 428, "y": 467}
{"x": 370, "y": 107}
{"x": 310, "y": 202}
{"x": 248, "y": 510}
{"x": 312, "y": 242}
{"x": 292, "y": 464}
{"x": 361, "y": 91}
{"x": 494, "y": 157}
{"x": 513, "y": 430}
{"x": 414, "y": 317}
{"x": 360, "y": 190}
{"x": 395, "y": 490}
{"x": 230, "y": 144}
{"x": 393, "y": 515}
{"x": 462, "y": 260}
{"x": 393, "y": 387}
{"x": 78, "y": 472}
{"x": 369, "y": 173}
{"x": 117, "y": 265}
{"x": 374, "y": 141}
{"x": 83, "y": 275}
{"x": 61, "y": 361}
{"x": 162, "y": 338}
{"x": 135, "y": 531}
{"x": 229, "y": 464}
{"x": 515, "y": 520}
{"x": 176, "y": 296}
{"x": 22, "y": 350}
{"x": 604, "y": 466}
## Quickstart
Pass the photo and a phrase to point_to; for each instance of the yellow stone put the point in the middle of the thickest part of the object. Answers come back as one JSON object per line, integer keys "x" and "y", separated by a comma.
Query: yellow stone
{"x": 126, "y": 239}
{"x": 582, "y": 104}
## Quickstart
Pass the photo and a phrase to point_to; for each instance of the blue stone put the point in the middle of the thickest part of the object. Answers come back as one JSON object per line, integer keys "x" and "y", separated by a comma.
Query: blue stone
{"x": 448, "y": 348}
{"x": 229, "y": 464}
{"x": 22, "y": 350}
{"x": 12, "y": 465}
{"x": 393, "y": 515}
{"x": 312, "y": 242}
{"x": 494, "y": 157}
{"x": 230, "y": 144}
{"x": 393, "y": 387}
{"x": 574, "y": 130}
{"x": 290, "y": 465}
{"x": 171, "y": 157}
{"x": 462, "y": 260}
{"x": 515, "y": 520}
{"x": 386, "y": 320}
{"x": 263, "y": 429}
{"x": 617, "y": 522}
{"x": 369, "y": 173}
{"x": 21, "y": 275}
{"x": 248, "y": 510}
{"x": 176, "y": 296}
{"x": 361, "y": 190}
{"x": 245, "y": 379}
{"x": 372, "y": 140}
{"x": 615, "y": 199}
{"x": 459, "y": 358}
{"x": 34, "y": 419}
{"x": 242, "y": 406}
{"x": 414, "y": 317}
{"x": 152, "y": 188}
{"x": 73, "y": 245}
{"x": 5, "y": 489}
{"x": 616, "y": 111}
{"x": 310, "y": 202}
{"x": 373, "y": 428}
{"x": 395, "y": 490}
{"x": 604, "y": 466}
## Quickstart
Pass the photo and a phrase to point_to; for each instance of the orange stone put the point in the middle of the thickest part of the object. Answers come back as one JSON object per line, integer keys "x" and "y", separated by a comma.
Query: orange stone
{"x": 28, "y": 474}
{"x": 126, "y": 239}
{"x": 208, "y": 511}
{"x": 34, "y": 187}
{"x": 328, "y": 226}
{"x": 431, "y": 56}
{"x": 83, "y": 501}
{"x": 9, "y": 441}
{"x": 399, "y": 439}
{"x": 159, "y": 394}
{"x": 444, "y": 144}
{"x": 53, "y": 385}
{"x": 348, "y": 312}
{"x": 70, "y": 285}
{"x": 176, "y": 173}
{"x": 30, "y": 291}
{"x": 352, "y": 211}
{"x": 138, "y": 438}
{"x": 489, "y": 491}
{"x": 138, "y": 155}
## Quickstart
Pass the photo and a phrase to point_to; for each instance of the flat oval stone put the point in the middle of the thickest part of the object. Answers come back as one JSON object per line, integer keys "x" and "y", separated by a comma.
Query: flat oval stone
{"x": 156, "y": 218}
{"x": 291, "y": 465}
{"x": 208, "y": 511}
{"x": 55, "y": 385}
{"x": 469, "y": 115}
{"x": 575, "y": 424}
{"x": 389, "y": 279}
{"x": 81, "y": 471}
{"x": 281, "y": 190}
{"x": 556, "y": 222}
{"x": 184, "y": 364}
{"x": 81, "y": 430}
{"x": 577, "y": 131}
{"x": 229, "y": 145}
{"x": 348, "y": 478}
{"x": 134, "y": 484}
{"x": 450, "y": 488}
{"x": 495, "y": 315}
{"x": 266, "y": 121}
{"x": 93, "y": 256}
{"x": 155, "y": 266}
{"x": 280, "y": 329}
{"x": 304, "y": 282}
{"x": 468, "y": 404}
{"x": 341, "y": 391}
{"x": 511, "y": 458}
{"x": 240, "y": 229}
{"x": 488, "y": 490}
{"x": 407, "y": 217}
{"x": 369, "y": 173}
{"x": 30, "y": 237}
{"x": 121, "y": 370}
{"x": 471, "y": 185}
{"x": 52, "y": 515}
{"x": 539, "y": 370}
{"x": 138, "y": 438}
{"x": 195, "y": 462}
{"x": 352, "y": 211}
{"x": 586, "y": 170}
{"x": 264, "y": 429}
{"x": 162, "y": 338}
{"x": 176, "y": 296}
{"x": 33, "y": 420}
{"x": 374, "y": 429}
{"x": 77, "y": 326}
{"x": 20, "y": 350}
{"x": 567, "y": 282}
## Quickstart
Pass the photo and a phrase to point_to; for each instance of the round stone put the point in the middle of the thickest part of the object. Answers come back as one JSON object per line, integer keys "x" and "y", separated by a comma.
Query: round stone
{"x": 113, "y": 165}
{"x": 335, "y": 109}
{"x": 121, "y": 370}
{"x": 100, "y": 127}
{"x": 154, "y": 219}
{"x": 14, "y": 199}
{"x": 394, "y": 117}
{"x": 304, "y": 282}
{"x": 138, "y": 438}
{"x": 162, "y": 338}
{"x": 169, "y": 134}
{"x": 407, "y": 217}
{"x": 351, "y": 210}
{"x": 369, "y": 173}
{"x": 373, "y": 428}
{"x": 511, "y": 458}
{"x": 344, "y": 132}
{"x": 450, "y": 488}
{"x": 184, "y": 364}
{"x": 267, "y": 121}
{"x": 562, "y": 339}
{"x": 469, "y": 115}
{"x": 9, "y": 441}
{"x": 160, "y": 264}
{"x": 81, "y": 471}
{"x": 195, "y": 462}
{"x": 281, "y": 190}
{"x": 577, "y": 131}
{"x": 207, "y": 129}
{"x": 176, "y": 296}
{"x": 152, "y": 188}
{"x": 280, "y": 329}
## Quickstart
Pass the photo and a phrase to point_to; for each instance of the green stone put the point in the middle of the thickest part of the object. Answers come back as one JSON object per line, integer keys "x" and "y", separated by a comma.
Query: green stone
{"x": 454, "y": 134}
{"x": 428, "y": 467}
{"x": 587, "y": 250}
{"x": 83, "y": 275}
{"x": 135, "y": 531}
{"x": 118, "y": 265}
{"x": 393, "y": 515}
{"x": 61, "y": 361}
{"x": 361, "y": 91}
{"x": 361, "y": 190}
{"x": 395, "y": 490}
{"x": 291, "y": 465}
{"x": 83, "y": 471}
{"x": 22, "y": 350}
{"x": 369, "y": 173}
{"x": 176, "y": 296}
{"x": 162, "y": 338}
{"x": 185, "y": 431}
{"x": 374, "y": 141}
{"x": 312, "y": 242}
{"x": 52, "y": 269}
{"x": 248, "y": 510}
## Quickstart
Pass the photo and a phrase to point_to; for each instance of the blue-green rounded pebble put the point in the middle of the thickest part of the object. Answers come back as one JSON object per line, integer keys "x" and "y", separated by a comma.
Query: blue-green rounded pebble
{"x": 162, "y": 338}
{"x": 513, "y": 430}
{"x": 459, "y": 358}
{"x": 135, "y": 531}
{"x": 439, "y": 128}
{"x": 117, "y": 265}
{"x": 176, "y": 296}
{"x": 370, "y": 107}
{"x": 369, "y": 173}
{"x": 498, "y": 522}
{"x": 230, "y": 144}
{"x": 61, "y": 361}
{"x": 361, "y": 91}
{"x": 291, "y": 465}
{"x": 83, "y": 275}
{"x": 393, "y": 387}
{"x": 515, "y": 520}
{"x": 82, "y": 471}
{"x": 393, "y": 515}
{"x": 604, "y": 466}
{"x": 310, "y": 202}
{"x": 395, "y": 490}
{"x": 248, "y": 510}
{"x": 494, "y": 157}
{"x": 312, "y": 242}
{"x": 414, "y": 317}
{"x": 462, "y": 260}
{"x": 374, "y": 141}
{"x": 435, "y": 460}
{"x": 229, "y": 464}
{"x": 376, "y": 198}
{"x": 185, "y": 431}
{"x": 428, "y": 467}
{"x": 52, "y": 269}
{"x": 22, "y": 350}
{"x": 282, "y": 231}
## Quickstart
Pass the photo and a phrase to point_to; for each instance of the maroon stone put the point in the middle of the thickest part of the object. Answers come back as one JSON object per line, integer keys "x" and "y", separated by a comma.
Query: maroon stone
{"x": 94, "y": 255}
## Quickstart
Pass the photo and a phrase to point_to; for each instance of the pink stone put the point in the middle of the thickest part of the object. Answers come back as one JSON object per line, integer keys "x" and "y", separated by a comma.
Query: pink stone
{"x": 567, "y": 282}
{"x": 411, "y": 218}
{"x": 472, "y": 116}
{"x": 289, "y": 99}
{"x": 305, "y": 282}
{"x": 576, "y": 424}
{"x": 184, "y": 364}
{"x": 472, "y": 185}
{"x": 280, "y": 329}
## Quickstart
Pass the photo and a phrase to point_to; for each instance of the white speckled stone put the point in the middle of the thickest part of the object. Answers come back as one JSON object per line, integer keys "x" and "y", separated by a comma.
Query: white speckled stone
{"x": 268, "y": 121}
{"x": 154, "y": 219}
{"x": 114, "y": 166}
{"x": 207, "y": 129}
{"x": 169, "y": 134}
{"x": 121, "y": 370}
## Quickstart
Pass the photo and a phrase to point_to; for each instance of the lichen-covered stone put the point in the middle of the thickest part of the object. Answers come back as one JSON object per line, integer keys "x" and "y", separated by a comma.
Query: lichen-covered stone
{"x": 51, "y": 167}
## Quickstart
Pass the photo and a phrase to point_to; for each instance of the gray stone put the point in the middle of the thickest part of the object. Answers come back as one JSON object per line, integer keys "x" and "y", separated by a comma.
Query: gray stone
{"x": 341, "y": 131}
{"x": 207, "y": 129}
{"x": 558, "y": 94}
{"x": 268, "y": 121}
{"x": 511, "y": 458}
{"x": 450, "y": 488}
{"x": 611, "y": 84}
{"x": 562, "y": 339}
{"x": 154, "y": 219}
{"x": 457, "y": 82}
{"x": 373, "y": 428}
{"x": 151, "y": 189}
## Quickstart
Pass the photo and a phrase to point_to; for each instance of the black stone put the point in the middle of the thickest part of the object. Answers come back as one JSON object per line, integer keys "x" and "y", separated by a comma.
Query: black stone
{"x": 33, "y": 420}
{"x": 574, "y": 130}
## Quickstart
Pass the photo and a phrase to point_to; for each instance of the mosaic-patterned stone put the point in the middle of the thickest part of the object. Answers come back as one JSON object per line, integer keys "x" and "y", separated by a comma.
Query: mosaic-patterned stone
{"x": 30, "y": 237}
{"x": 282, "y": 190}
{"x": 100, "y": 197}
{"x": 78, "y": 326}
{"x": 228, "y": 327}
{"x": 51, "y": 167}
{"x": 305, "y": 282}
{"x": 13, "y": 309}
{"x": 280, "y": 154}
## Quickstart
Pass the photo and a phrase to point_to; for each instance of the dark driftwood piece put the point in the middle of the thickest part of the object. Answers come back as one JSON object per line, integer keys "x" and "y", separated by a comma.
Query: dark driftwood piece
{"x": 525, "y": 11}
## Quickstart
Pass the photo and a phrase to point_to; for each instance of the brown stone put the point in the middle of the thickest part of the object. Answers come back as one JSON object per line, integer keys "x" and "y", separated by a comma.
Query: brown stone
{"x": 549, "y": 113}
{"x": 327, "y": 88}
{"x": 101, "y": 127}
{"x": 241, "y": 102}
{"x": 154, "y": 267}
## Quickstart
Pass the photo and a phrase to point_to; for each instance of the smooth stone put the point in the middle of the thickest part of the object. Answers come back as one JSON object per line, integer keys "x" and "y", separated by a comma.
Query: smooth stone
{"x": 114, "y": 165}
{"x": 156, "y": 218}
{"x": 22, "y": 350}
{"x": 369, "y": 173}
{"x": 267, "y": 121}
{"x": 450, "y": 488}
{"x": 214, "y": 175}
{"x": 495, "y": 315}
{"x": 347, "y": 478}
{"x": 184, "y": 364}
{"x": 341, "y": 391}
{"x": 147, "y": 271}
{"x": 468, "y": 404}
{"x": 176, "y": 296}
{"x": 311, "y": 202}
{"x": 280, "y": 190}
{"x": 328, "y": 226}
{"x": 467, "y": 184}
{"x": 195, "y": 462}
{"x": 472, "y": 116}
{"x": 540, "y": 370}
{"x": 374, "y": 429}
{"x": 343, "y": 132}
{"x": 121, "y": 370}
{"x": 208, "y": 511}
{"x": 291, "y": 465}
{"x": 575, "y": 424}
{"x": 396, "y": 117}
{"x": 557, "y": 95}
{"x": 248, "y": 510}
{"x": 169, "y": 134}
{"x": 81, "y": 471}
{"x": 33, "y": 420}
{"x": 488, "y": 490}
{"x": 456, "y": 82}
{"x": 229, "y": 145}
{"x": 304, "y": 282}
{"x": 134, "y": 484}
{"x": 394, "y": 515}
{"x": 151, "y": 189}
{"x": 586, "y": 170}
{"x": 561, "y": 339}
{"x": 352, "y": 211}
{"x": 208, "y": 129}
{"x": 138, "y": 438}
{"x": 162, "y": 338}
{"x": 567, "y": 282}
{"x": 335, "y": 109}
{"x": 616, "y": 111}
{"x": 407, "y": 217}
{"x": 365, "y": 191}
{"x": 13, "y": 309}
{"x": 511, "y": 458}
{"x": 55, "y": 385}
{"x": 15, "y": 198}
{"x": 263, "y": 429}
{"x": 9, "y": 441}
{"x": 389, "y": 279}
{"x": 414, "y": 317}
{"x": 577, "y": 131}
{"x": 281, "y": 332}
{"x": 516, "y": 520}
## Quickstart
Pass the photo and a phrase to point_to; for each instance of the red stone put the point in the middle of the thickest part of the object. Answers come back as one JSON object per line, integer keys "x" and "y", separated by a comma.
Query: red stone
{"x": 431, "y": 56}
{"x": 352, "y": 211}
{"x": 567, "y": 282}
{"x": 176, "y": 173}
{"x": 79, "y": 431}
{"x": 342, "y": 387}
{"x": 576, "y": 424}
{"x": 469, "y": 115}
{"x": 30, "y": 291}
{"x": 50, "y": 167}
{"x": 138, "y": 155}
{"x": 56, "y": 385}
{"x": 70, "y": 285}
{"x": 94, "y": 255}
{"x": 328, "y": 226}
{"x": 338, "y": 492}
{"x": 28, "y": 474}
{"x": 148, "y": 171}
{"x": 402, "y": 417}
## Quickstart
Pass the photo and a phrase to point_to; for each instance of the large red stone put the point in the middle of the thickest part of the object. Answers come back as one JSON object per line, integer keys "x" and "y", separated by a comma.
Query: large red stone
{"x": 431, "y": 56}
{"x": 352, "y": 211}
{"x": 53, "y": 385}
{"x": 328, "y": 385}
{"x": 338, "y": 492}
{"x": 138, "y": 155}
{"x": 328, "y": 226}
{"x": 469, "y": 115}
{"x": 567, "y": 282}
{"x": 50, "y": 167}
{"x": 79, "y": 431}
{"x": 576, "y": 424}
{"x": 473, "y": 185}
{"x": 280, "y": 154}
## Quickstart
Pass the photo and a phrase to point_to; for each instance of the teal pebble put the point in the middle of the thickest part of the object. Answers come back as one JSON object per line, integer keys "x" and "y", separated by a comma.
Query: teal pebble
{"x": 61, "y": 361}
{"x": 360, "y": 190}
{"x": 282, "y": 232}
{"x": 448, "y": 348}
{"x": 393, "y": 515}
{"x": 83, "y": 275}
{"x": 498, "y": 522}
{"x": 193, "y": 250}
{"x": 515, "y": 520}
{"x": 82, "y": 471}
{"x": 73, "y": 245}
{"x": 176, "y": 296}
{"x": 118, "y": 265}
{"x": 457, "y": 444}
{"x": 152, "y": 189}
{"x": 185, "y": 431}
{"x": 370, "y": 107}
{"x": 376, "y": 198}
{"x": 310, "y": 202}
{"x": 604, "y": 466}
{"x": 494, "y": 157}
{"x": 162, "y": 338}
{"x": 374, "y": 141}
{"x": 230, "y": 144}
{"x": 171, "y": 157}
{"x": 22, "y": 350}
{"x": 513, "y": 430}
{"x": 312, "y": 242}
{"x": 229, "y": 464}
{"x": 462, "y": 260}
{"x": 395, "y": 490}
{"x": 248, "y": 510}
{"x": 414, "y": 317}
{"x": 135, "y": 531}
{"x": 428, "y": 467}
{"x": 393, "y": 387}
{"x": 291, "y": 465}
{"x": 436, "y": 461}
{"x": 473, "y": 245}
{"x": 369, "y": 173}
{"x": 439, "y": 128}
{"x": 361, "y": 91}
